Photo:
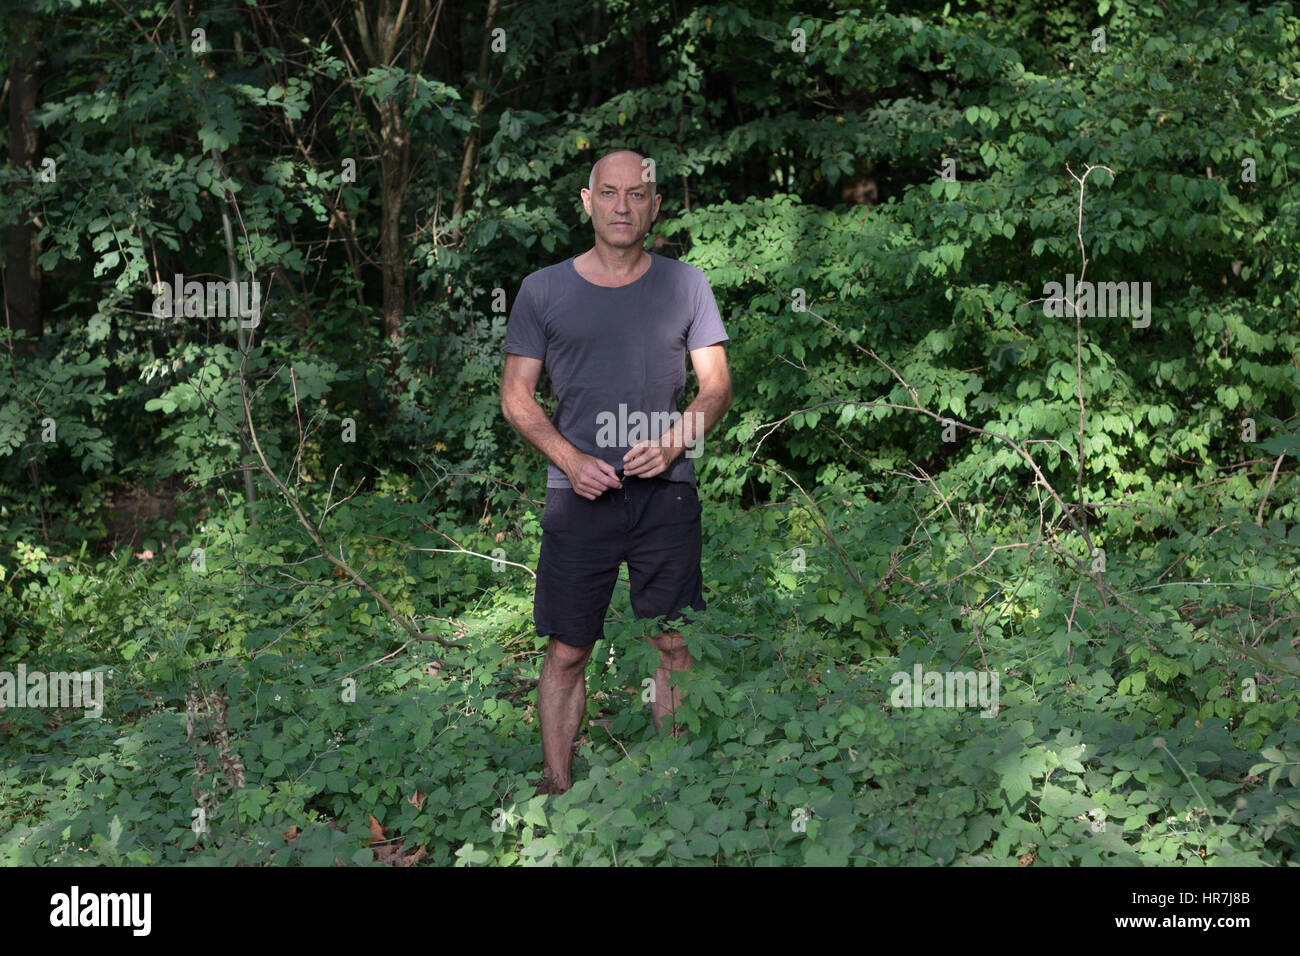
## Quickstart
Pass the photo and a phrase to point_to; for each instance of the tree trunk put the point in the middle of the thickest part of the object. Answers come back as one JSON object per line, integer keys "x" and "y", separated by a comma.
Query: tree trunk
{"x": 379, "y": 42}
{"x": 394, "y": 164}
{"x": 22, "y": 288}
{"x": 476, "y": 104}
{"x": 642, "y": 74}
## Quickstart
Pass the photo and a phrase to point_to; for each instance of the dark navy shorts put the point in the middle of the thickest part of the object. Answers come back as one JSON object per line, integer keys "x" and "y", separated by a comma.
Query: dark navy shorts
{"x": 651, "y": 523}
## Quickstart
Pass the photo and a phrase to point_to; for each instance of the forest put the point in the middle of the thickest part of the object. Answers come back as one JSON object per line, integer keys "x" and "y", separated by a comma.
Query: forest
{"x": 1000, "y": 531}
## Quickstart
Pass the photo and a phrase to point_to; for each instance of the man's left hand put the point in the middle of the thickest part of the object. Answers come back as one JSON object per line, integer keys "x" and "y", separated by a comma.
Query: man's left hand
{"x": 648, "y": 459}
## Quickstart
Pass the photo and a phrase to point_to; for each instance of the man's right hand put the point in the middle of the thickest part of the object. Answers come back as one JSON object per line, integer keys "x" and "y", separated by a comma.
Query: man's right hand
{"x": 591, "y": 477}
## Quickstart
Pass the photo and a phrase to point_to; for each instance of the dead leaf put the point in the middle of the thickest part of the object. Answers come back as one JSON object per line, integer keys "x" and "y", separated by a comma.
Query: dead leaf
{"x": 418, "y": 854}
{"x": 417, "y": 799}
{"x": 291, "y": 834}
{"x": 389, "y": 854}
{"x": 387, "y": 850}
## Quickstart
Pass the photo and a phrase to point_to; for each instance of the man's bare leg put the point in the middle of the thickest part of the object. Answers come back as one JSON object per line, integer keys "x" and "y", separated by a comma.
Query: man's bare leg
{"x": 673, "y": 656}
{"x": 561, "y": 702}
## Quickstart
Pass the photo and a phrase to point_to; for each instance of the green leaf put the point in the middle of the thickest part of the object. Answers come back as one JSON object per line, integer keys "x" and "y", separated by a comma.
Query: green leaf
{"x": 680, "y": 817}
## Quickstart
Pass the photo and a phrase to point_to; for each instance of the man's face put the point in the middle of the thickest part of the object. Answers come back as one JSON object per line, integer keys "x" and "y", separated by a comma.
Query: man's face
{"x": 621, "y": 209}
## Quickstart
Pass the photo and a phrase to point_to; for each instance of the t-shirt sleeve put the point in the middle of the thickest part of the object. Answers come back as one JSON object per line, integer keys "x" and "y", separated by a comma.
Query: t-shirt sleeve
{"x": 706, "y": 326}
{"x": 524, "y": 332}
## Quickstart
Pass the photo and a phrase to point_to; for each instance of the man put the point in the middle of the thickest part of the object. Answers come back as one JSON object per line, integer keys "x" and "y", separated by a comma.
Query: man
{"x": 612, "y": 327}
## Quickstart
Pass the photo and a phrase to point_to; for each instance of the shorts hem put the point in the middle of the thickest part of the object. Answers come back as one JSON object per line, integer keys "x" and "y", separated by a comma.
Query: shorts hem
{"x": 572, "y": 642}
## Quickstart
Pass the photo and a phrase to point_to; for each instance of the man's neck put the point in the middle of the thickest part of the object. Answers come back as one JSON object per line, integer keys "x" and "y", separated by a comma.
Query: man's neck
{"x": 615, "y": 263}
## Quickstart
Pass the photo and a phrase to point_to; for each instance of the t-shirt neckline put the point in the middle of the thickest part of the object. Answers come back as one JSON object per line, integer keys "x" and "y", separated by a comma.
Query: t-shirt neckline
{"x": 572, "y": 260}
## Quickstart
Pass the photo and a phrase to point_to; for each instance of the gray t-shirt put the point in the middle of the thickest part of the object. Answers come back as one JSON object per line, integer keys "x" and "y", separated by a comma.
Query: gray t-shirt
{"x": 616, "y": 357}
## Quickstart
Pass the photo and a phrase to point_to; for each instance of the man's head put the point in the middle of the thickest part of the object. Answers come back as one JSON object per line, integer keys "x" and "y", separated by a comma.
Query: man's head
{"x": 622, "y": 204}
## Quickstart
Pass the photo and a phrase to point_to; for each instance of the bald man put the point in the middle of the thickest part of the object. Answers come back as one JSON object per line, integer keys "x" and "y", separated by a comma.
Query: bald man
{"x": 612, "y": 327}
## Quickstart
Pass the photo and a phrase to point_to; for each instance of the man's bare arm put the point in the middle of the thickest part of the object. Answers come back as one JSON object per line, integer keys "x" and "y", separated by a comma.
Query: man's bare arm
{"x": 589, "y": 476}
{"x": 714, "y": 398}
{"x": 711, "y": 403}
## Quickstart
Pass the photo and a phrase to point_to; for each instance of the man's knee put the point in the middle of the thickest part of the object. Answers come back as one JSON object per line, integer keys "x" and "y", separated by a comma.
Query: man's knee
{"x": 566, "y": 657}
{"x": 671, "y": 646}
